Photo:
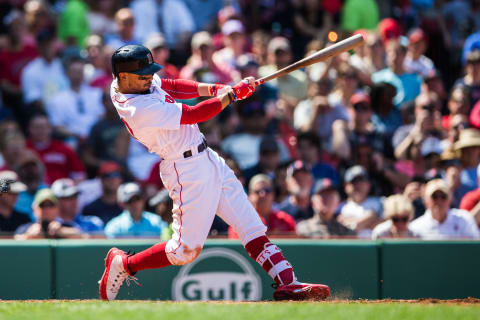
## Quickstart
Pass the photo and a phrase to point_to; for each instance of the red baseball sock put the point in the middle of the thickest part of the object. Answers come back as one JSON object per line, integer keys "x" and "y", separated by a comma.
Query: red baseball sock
{"x": 151, "y": 258}
{"x": 271, "y": 259}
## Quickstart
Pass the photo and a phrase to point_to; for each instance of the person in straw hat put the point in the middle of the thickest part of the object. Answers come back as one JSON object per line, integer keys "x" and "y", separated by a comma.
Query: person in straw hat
{"x": 468, "y": 146}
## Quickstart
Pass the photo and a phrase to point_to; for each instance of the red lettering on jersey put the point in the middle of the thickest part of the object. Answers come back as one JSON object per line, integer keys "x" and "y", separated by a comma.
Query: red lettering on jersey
{"x": 128, "y": 127}
{"x": 169, "y": 99}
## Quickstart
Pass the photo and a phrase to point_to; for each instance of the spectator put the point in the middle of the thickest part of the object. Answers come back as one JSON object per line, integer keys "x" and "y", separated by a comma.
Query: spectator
{"x": 106, "y": 207}
{"x": 325, "y": 203}
{"x": 160, "y": 52}
{"x": 385, "y": 118}
{"x": 234, "y": 39}
{"x": 458, "y": 104}
{"x": 73, "y": 111}
{"x": 67, "y": 194}
{"x": 398, "y": 211}
{"x": 125, "y": 26}
{"x": 43, "y": 77}
{"x": 310, "y": 151}
{"x": 439, "y": 221}
{"x": 11, "y": 219}
{"x": 31, "y": 172}
{"x": 359, "y": 14}
{"x": 133, "y": 221}
{"x": 12, "y": 144}
{"x": 471, "y": 80}
{"x": 292, "y": 86}
{"x": 162, "y": 205}
{"x": 108, "y": 140}
{"x": 201, "y": 59}
{"x": 415, "y": 61}
{"x": 408, "y": 138}
{"x": 261, "y": 195}
{"x": 101, "y": 17}
{"x": 39, "y": 17}
{"x": 359, "y": 212}
{"x": 268, "y": 159}
{"x": 73, "y": 24}
{"x": 374, "y": 59}
{"x": 98, "y": 68}
{"x": 243, "y": 146}
{"x": 413, "y": 191}
{"x": 299, "y": 184}
{"x": 407, "y": 84}
{"x": 470, "y": 201}
{"x": 468, "y": 145}
{"x": 177, "y": 23}
{"x": 347, "y": 85}
{"x": 317, "y": 114}
{"x": 46, "y": 225}
{"x": 13, "y": 60}
{"x": 59, "y": 160}
{"x": 430, "y": 151}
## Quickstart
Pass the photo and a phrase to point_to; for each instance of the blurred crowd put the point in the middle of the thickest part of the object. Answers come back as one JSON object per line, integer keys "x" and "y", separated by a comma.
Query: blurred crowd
{"x": 378, "y": 143}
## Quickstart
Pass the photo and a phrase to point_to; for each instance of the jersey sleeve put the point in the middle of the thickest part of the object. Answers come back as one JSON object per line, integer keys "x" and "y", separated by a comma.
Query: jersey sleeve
{"x": 151, "y": 113}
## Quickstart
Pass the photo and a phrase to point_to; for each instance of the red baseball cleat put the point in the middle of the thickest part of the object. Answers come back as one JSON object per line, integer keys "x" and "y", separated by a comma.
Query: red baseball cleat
{"x": 301, "y": 291}
{"x": 114, "y": 275}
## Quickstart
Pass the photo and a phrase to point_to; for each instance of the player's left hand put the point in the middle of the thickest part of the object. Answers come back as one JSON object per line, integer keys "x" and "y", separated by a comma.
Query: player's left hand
{"x": 244, "y": 88}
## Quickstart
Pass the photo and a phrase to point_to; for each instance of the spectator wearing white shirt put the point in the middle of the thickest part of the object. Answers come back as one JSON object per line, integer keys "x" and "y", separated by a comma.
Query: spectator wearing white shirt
{"x": 75, "y": 110}
{"x": 398, "y": 210}
{"x": 439, "y": 221}
{"x": 415, "y": 61}
{"x": 43, "y": 77}
{"x": 359, "y": 212}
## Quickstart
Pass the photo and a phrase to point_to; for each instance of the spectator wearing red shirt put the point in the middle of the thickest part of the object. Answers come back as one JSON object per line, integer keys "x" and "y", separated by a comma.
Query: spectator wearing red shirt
{"x": 60, "y": 161}
{"x": 261, "y": 195}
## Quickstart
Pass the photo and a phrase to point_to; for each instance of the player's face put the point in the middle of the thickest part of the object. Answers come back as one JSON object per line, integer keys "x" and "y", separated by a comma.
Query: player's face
{"x": 134, "y": 83}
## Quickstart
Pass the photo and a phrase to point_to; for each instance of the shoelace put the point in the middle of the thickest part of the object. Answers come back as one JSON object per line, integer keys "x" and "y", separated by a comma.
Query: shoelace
{"x": 123, "y": 276}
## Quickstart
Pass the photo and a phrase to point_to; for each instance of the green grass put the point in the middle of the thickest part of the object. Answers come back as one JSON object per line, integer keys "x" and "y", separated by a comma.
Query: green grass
{"x": 145, "y": 310}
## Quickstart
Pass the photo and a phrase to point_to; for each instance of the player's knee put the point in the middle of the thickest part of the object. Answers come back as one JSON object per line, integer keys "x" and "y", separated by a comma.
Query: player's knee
{"x": 184, "y": 255}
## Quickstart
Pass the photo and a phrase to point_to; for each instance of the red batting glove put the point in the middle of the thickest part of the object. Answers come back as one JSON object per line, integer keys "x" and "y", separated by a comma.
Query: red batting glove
{"x": 213, "y": 89}
{"x": 243, "y": 90}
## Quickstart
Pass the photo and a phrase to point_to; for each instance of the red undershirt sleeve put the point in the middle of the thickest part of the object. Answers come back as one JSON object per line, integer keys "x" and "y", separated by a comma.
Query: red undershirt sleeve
{"x": 200, "y": 112}
{"x": 180, "y": 88}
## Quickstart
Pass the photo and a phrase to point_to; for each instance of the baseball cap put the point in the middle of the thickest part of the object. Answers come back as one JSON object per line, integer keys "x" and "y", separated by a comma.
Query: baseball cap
{"x": 109, "y": 167}
{"x": 154, "y": 41}
{"x": 202, "y": 38}
{"x": 360, "y": 97}
{"x": 297, "y": 166}
{"x": 416, "y": 35}
{"x": 389, "y": 29}
{"x": 44, "y": 195}
{"x": 436, "y": 185}
{"x": 64, "y": 188}
{"x": 278, "y": 43}
{"x": 160, "y": 197}
{"x": 246, "y": 60}
{"x": 324, "y": 184}
{"x": 11, "y": 178}
{"x": 134, "y": 59}
{"x": 232, "y": 26}
{"x": 431, "y": 145}
{"x": 127, "y": 190}
{"x": 355, "y": 172}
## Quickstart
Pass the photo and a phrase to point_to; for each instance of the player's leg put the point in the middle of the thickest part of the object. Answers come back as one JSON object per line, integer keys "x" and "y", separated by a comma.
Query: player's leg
{"x": 237, "y": 211}
{"x": 195, "y": 201}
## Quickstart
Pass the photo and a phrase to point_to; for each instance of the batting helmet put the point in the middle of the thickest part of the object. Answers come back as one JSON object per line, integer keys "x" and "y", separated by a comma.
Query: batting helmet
{"x": 134, "y": 59}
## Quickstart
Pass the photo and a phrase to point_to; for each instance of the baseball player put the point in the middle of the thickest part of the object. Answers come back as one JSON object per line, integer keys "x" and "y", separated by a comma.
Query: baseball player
{"x": 197, "y": 178}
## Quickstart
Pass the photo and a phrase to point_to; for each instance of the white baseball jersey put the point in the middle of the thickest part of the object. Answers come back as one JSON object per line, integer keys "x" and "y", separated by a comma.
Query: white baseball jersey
{"x": 154, "y": 120}
{"x": 200, "y": 185}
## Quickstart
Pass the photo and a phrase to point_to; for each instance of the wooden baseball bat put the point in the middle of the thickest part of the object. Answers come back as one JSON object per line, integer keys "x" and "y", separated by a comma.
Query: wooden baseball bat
{"x": 321, "y": 55}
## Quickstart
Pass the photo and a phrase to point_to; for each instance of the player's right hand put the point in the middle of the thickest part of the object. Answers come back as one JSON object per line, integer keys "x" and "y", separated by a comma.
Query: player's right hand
{"x": 244, "y": 88}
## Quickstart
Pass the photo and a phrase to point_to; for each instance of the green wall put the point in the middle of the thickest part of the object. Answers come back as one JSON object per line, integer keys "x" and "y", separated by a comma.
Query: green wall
{"x": 70, "y": 269}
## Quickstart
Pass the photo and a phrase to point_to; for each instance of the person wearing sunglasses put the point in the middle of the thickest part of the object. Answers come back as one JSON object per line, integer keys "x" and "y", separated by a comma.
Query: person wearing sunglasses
{"x": 439, "y": 220}
{"x": 134, "y": 221}
{"x": 261, "y": 195}
{"x": 398, "y": 211}
{"x": 47, "y": 224}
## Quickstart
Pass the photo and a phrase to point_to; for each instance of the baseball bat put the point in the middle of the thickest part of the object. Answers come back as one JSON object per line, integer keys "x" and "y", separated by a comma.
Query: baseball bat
{"x": 321, "y": 55}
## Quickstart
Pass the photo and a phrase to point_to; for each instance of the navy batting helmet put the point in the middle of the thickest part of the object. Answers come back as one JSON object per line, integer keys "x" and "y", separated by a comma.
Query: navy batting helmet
{"x": 134, "y": 59}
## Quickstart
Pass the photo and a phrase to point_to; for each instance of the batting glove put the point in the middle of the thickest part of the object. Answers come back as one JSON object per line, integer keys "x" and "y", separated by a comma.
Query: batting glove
{"x": 243, "y": 90}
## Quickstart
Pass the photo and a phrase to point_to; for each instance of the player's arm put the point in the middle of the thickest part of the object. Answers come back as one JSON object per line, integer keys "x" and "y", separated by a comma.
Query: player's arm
{"x": 207, "y": 109}
{"x": 188, "y": 89}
